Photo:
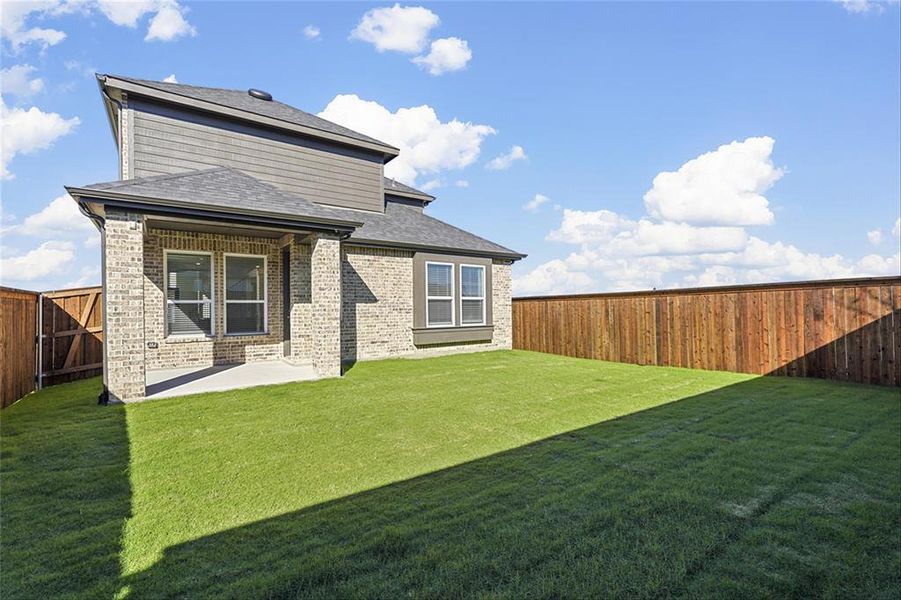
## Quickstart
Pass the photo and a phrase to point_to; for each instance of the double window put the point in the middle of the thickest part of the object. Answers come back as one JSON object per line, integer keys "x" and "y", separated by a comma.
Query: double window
{"x": 441, "y": 295}
{"x": 189, "y": 293}
{"x": 190, "y": 298}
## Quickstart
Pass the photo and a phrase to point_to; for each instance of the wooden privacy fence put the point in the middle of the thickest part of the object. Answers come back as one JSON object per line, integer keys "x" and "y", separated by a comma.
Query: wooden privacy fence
{"x": 71, "y": 341}
{"x": 848, "y": 330}
{"x": 18, "y": 330}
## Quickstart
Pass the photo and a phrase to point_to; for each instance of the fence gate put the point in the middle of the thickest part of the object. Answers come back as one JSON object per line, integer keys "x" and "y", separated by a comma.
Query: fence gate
{"x": 72, "y": 335}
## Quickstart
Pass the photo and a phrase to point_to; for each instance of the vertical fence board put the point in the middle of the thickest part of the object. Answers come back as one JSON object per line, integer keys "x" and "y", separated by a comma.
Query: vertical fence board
{"x": 18, "y": 328}
{"x": 841, "y": 329}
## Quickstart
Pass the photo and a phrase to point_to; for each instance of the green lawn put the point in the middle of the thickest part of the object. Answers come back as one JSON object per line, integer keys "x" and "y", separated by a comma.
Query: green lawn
{"x": 506, "y": 474}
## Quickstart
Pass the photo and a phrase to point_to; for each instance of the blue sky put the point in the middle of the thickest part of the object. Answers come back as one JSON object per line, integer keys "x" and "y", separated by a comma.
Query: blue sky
{"x": 620, "y": 145}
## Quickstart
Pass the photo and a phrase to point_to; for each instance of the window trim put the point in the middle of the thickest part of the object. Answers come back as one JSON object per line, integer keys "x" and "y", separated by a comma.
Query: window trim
{"x": 483, "y": 298}
{"x": 166, "y": 301}
{"x": 453, "y": 321}
{"x": 226, "y": 301}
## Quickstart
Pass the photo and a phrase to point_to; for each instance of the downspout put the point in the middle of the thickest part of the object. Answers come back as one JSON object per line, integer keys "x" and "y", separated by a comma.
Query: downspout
{"x": 103, "y": 397}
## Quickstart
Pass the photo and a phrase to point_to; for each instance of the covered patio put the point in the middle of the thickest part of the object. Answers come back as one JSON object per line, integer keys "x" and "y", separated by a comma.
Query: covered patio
{"x": 166, "y": 383}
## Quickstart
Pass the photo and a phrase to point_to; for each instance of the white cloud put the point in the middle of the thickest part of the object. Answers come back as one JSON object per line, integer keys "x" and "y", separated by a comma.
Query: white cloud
{"x": 896, "y": 230}
{"x": 126, "y": 12}
{"x": 427, "y": 144}
{"x": 17, "y": 80}
{"x": 432, "y": 184}
{"x": 875, "y": 236}
{"x": 553, "y": 277}
{"x": 49, "y": 258}
{"x": 620, "y": 236}
{"x": 505, "y": 161}
{"x": 170, "y": 79}
{"x": 461, "y": 183}
{"x": 61, "y": 216}
{"x": 618, "y": 253}
{"x": 79, "y": 67}
{"x": 723, "y": 187}
{"x": 27, "y": 131}
{"x": 15, "y": 31}
{"x": 169, "y": 23}
{"x": 401, "y": 29}
{"x": 88, "y": 276}
{"x": 311, "y": 32}
{"x": 535, "y": 203}
{"x": 865, "y": 6}
{"x": 446, "y": 54}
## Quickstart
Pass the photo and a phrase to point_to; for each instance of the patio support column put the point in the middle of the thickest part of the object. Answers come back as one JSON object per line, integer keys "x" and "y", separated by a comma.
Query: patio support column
{"x": 325, "y": 284}
{"x": 123, "y": 305}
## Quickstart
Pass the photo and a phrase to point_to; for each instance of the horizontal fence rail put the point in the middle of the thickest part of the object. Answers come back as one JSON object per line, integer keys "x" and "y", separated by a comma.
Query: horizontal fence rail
{"x": 848, "y": 330}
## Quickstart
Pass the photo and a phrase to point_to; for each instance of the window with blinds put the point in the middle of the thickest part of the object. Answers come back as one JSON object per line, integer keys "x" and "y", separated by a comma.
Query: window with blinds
{"x": 245, "y": 294}
{"x": 472, "y": 295}
{"x": 189, "y": 294}
{"x": 439, "y": 294}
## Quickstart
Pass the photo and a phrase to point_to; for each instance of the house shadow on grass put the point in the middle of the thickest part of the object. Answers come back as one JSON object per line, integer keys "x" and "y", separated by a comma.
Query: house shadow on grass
{"x": 774, "y": 486}
{"x": 65, "y": 494}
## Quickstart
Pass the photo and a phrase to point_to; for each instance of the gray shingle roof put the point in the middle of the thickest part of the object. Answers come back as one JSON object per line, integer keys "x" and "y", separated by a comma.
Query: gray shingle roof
{"x": 392, "y": 185}
{"x": 241, "y": 100}
{"x": 401, "y": 224}
{"x": 221, "y": 187}
{"x": 407, "y": 225}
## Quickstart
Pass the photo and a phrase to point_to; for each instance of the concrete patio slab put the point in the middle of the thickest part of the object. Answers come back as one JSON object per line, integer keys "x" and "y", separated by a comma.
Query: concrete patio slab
{"x": 165, "y": 383}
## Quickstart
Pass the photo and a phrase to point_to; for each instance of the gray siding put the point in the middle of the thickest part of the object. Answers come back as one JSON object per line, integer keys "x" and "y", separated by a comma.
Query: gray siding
{"x": 167, "y": 140}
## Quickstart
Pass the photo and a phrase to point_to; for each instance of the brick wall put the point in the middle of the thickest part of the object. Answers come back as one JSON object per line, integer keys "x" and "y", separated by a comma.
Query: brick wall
{"x": 376, "y": 312}
{"x": 377, "y": 306}
{"x": 123, "y": 344}
{"x": 219, "y": 349}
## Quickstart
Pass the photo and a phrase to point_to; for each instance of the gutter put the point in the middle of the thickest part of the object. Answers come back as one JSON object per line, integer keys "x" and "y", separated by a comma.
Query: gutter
{"x": 168, "y": 208}
{"x": 514, "y": 256}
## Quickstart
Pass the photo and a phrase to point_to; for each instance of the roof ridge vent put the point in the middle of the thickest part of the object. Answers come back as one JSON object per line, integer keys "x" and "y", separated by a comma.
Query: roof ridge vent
{"x": 260, "y": 94}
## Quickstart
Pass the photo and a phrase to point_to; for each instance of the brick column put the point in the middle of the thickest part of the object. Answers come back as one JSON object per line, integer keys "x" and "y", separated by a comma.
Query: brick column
{"x": 325, "y": 284}
{"x": 123, "y": 306}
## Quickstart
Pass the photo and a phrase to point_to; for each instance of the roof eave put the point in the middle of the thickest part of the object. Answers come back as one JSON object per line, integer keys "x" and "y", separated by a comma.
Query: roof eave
{"x": 425, "y": 198}
{"x": 388, "y": 152}
{"x": 167, "y": 206}
{"x": 507, "y": 255}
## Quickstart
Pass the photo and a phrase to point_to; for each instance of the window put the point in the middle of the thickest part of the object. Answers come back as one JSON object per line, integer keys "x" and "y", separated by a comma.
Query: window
{"x": 472, "y": 295}
{"x": 439, "y": 294}
{"x": 245, "y": 294}
{"x": 189, "y": 293}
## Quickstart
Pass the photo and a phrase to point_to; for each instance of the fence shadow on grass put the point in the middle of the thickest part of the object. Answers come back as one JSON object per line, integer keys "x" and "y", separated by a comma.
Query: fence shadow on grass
{"x": 774, "y": 486}
{"x": 66, "y": 494}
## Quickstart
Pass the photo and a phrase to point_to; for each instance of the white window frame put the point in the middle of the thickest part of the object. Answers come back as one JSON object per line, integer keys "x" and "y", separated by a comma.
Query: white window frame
{"x": 212, "y": 300}
{"x": 226, "y": 301}
{"x": 453, "y": 322}
{"x": 484, "y": 320}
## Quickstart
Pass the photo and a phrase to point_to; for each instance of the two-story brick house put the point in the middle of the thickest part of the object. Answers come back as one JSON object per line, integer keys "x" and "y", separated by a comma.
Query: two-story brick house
{"x": 243, "y": 229}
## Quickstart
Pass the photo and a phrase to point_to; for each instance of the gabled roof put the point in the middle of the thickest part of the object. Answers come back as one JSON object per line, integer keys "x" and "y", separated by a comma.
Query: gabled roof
{"x": 397, "y": 188}
{"x": 218, "y": 189}
{"x": 227, "y": 193}
{"x": 407, "y": 226}
{"x": 240, "y": 100}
